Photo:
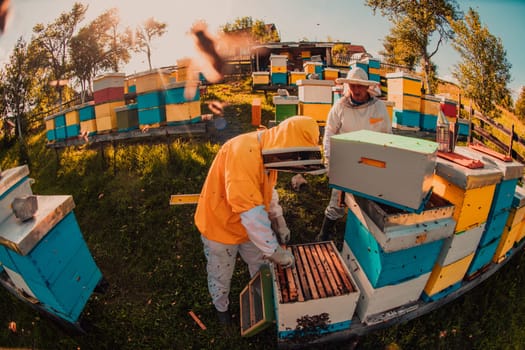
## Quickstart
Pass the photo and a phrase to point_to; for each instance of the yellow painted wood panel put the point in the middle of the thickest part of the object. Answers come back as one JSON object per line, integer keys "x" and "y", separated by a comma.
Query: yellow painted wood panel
{"x": 430, "y": 107}
{"x": 508, "y": 238}
{"x": 278, "y": 69}
{"x": 295, "y": 76}
{"x": 106, "y": 123}
{"x": 317, "y": 111}
{"x": 88, "y": 126}
{"x": 443, "y": 277}
{"x": 107, "y": 109}
{"x": 405, "y": 102}
{"x": 72, "y": 117}
{"x": 152, "y": 81}
{"x": 50, "y": 124}
{"x": 261, "y": 78}
{"x": 404, "y": 86}
{"x": 471, "y": 206}
{"x": 182, "y": 111}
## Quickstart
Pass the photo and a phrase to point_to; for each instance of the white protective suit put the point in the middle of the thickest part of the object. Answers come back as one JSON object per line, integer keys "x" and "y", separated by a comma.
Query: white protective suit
{"x": 345, "y": 116}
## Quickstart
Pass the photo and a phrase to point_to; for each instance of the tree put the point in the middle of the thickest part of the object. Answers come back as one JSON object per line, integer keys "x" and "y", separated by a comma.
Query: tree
{"x": 519, "y": 108}
{"x": 53, "y": 41}
{"x": 257, "y": 30}
{"x": 484, "y": 71}
{"x": 400, "y": 48}
{"x": 99, "y": 46}
{"x": 144, "y": 35}
{"x": 416, "y": 22}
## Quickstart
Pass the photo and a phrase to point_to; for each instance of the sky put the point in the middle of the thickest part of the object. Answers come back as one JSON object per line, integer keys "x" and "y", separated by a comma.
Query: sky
{"x": 314, "y": 20}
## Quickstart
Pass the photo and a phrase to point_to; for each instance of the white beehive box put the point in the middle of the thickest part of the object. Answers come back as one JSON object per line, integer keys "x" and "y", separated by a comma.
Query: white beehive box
{"x": 378, "y": 303}
{"x": 109, "y": 80}
{"x": 393, "y": 169}
{"x": 318, "y": 289}
{"x": 315, "y": 91}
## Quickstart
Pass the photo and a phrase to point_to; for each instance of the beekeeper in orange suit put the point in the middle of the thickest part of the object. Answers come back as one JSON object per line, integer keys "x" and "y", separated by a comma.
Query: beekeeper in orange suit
{"x": 238, "y": 209}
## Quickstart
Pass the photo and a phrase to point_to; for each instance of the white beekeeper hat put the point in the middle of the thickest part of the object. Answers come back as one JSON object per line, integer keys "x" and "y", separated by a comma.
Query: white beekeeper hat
{"x": 356, "y": 75}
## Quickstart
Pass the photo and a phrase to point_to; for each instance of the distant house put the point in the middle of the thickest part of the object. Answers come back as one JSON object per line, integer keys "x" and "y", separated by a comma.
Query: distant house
{"x": 300, "y": 52}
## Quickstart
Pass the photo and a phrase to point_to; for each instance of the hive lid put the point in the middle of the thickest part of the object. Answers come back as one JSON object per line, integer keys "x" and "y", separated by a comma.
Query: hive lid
{"x": 22, "y": 237}
{"x": 388, "y": 140}
{"x": 10, "y": 177}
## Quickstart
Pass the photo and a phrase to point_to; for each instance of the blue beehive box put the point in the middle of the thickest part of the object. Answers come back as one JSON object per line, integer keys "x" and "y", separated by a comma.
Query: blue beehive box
{"x": 46, "y": 258}
{"x": 388, "y": 268}
{"x": 406, "y": 118}
{"x": 86, "y": 112}
{"x": 279, "y": 78}
{"x": 151, "y": 99}
{"x": 154, "y": 115}
{"x": 174, "y": 93}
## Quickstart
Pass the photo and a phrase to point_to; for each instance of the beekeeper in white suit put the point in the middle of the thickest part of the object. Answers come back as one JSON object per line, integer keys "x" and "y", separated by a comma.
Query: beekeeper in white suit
{"x": 358, "y": 109}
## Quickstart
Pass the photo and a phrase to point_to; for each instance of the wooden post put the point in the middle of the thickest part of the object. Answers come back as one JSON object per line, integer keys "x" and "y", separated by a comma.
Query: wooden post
{"x": 256, "y": 112}
{"x": 509, "y": 153}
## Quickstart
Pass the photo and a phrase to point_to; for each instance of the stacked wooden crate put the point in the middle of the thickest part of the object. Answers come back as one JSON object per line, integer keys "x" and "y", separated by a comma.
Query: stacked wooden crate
{"x": 108, "y": 91}
{"x": 88, "y": 120}
{"x": 150, "y": 86}
{"x": 179, "y": 110}
{"x": 316, "y": 296}
{"x": 470, "y": 187}
{"x": 512, "y": 172}
{"x": 285, "y": 106}
{"x": 430, "y": 107}
{"x": 405, "y": 91}
{"x": 279, "y": 69}
{"x": 315, "y": 98}
{"x": 45, "y": 258}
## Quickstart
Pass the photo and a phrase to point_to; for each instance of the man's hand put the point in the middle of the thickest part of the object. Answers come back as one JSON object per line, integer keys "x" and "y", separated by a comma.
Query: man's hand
{"x": 281, "y": 229}
{"x": 283, "y": 257}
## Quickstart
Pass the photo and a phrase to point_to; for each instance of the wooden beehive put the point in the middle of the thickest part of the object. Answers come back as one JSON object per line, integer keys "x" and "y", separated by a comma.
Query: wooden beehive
{"x": 318, "y": 291}
{"x": 315, "y": 91}
{"x": 377, "y": 304}
{"x": 374, "y": 165}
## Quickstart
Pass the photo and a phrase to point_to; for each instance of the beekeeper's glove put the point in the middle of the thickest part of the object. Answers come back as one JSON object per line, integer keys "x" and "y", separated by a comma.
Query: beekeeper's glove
{"x": 280, "y": 228}
{"x": 282, "y": 257}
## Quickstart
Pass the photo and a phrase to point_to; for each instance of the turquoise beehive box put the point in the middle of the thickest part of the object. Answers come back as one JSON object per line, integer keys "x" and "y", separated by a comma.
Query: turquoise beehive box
{"x": 45, "y": 258}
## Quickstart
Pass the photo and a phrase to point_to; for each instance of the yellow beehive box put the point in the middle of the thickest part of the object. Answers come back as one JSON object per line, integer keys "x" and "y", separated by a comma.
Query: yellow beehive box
{"x": 331, "y": 73}
{"x": 107, "y": 123}
{"x": 405, "y": 102}
{"x": 152, "y": 80}
{"x": 50, "y": 124}
{"x": 278, "y": 69}
{"x": 312, "y": 67}
{"x": 443, "y": 277}
{"x": 430, "y": 105}
{"x": 318, "y": 111}
{"x": 372, "y": 70}
{"x": 510, "y": 235}
{"x": 72, "y": 117}
{"x": 472, "y": 206}
{"x": 178, "y": 112}
{"x": 306, "y": 54}
{"x": 88, "y": 126}
{"x": 403, "y": 83}
{"x": 107, "y": 109}
{"x": 261, "y": 78}
{"x": 296, "y": 76}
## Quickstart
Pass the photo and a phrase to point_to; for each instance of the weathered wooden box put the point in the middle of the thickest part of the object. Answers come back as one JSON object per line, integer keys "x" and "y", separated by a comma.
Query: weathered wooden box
{"x": 400, "y": 254}
{"x": 403, "y": 83}
{"x": 444, "y": 277}
{"x": 318, "y": 111}
{"x": 317, "y": 296}
{"x": 514, "y": 227}
{"x": 396, "y": 229}
{"x": 379, "y": 304}
{"x": 183, "y": 113}
{"x": 375, "y": 165}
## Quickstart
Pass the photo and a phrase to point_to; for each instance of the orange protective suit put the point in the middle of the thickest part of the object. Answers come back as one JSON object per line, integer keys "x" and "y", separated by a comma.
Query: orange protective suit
{"x": 238, "y": 182}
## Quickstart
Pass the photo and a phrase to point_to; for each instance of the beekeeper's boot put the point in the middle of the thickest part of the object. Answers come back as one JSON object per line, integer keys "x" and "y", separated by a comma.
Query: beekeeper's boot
{"x": 327, "y": 230}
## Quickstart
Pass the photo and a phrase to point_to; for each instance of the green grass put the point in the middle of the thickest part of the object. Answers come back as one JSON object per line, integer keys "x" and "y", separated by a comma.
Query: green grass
{"x": 151, "y": 254}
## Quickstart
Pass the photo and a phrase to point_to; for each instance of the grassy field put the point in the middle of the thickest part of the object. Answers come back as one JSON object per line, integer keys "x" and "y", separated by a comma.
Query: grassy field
{"x": 151, "y": 255}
